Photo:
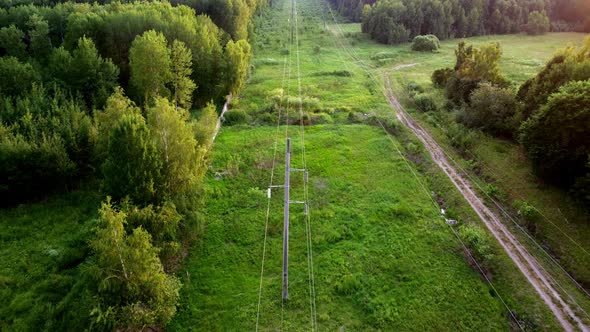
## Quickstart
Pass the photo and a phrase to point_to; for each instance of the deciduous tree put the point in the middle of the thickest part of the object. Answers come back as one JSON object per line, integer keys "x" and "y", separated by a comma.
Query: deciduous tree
{"x": 149, "y": 59}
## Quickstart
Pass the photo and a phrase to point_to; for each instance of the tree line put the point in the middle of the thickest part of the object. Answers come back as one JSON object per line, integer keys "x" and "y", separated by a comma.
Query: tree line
{"x": 549, "y": 115}
{"x": 122, "y": 96}
{"x": 398, "y": 21}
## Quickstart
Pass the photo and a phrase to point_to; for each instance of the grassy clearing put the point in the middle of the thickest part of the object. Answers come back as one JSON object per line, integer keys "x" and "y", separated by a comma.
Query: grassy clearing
{"x": 561, "y": 225}
{"x": 383, "y": 258}
{"x": 41, "y": 248}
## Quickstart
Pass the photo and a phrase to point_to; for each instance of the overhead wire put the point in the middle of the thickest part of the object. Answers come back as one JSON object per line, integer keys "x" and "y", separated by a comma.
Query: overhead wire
{"x": 375, "y": 80}
{"x": 269, "y": 199}
{"x": 494, "y": 172}
{"x": 313, "y": 310}
{"x": 513, "y": 316}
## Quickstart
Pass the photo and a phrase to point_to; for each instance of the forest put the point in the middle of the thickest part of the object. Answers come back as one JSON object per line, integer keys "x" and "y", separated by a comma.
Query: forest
{"x": 120, "y": 98}
{"x": 398, "y": 21}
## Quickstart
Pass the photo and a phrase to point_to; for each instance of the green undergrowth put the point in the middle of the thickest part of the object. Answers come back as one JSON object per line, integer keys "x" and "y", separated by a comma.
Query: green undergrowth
{"x": 41, "y": 248}
{"x": 383, "y": 257}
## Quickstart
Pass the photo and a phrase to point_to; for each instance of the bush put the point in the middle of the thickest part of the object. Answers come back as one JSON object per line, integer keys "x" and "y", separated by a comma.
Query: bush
{"x": 461, "y": 138}
{"x": 339, "y": 73}
{"x": 321, "y": 118}
{"x": 424, "y": 103}
{"x": 440, "y": 77}
{"x": 426, "y": 43}
{"x": 459, "y": 90}
{"x": 492, "y": 110}
{"x": 414, "y": 88}
{"x": 478, "y": 243}
{"x": 382, "y": 55}
{"x": 233, "y": 117}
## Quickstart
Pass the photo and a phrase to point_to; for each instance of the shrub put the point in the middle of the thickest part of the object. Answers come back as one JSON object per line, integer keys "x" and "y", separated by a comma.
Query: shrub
{"x": 321, "y": 118}
{"x": 233, "y": 117}
{"x": 340, "y": 73}
{"x": 414, "y": 88}
{"x": 424, "y": 103}
{"x": 440, "y": 77}
{"x": 492, "y": 110}
{"x": 382, "y": 55}
{"x": 461, "y": 138}
{"x": 425, "y": 43}
{"x": 479, "y": 244}
{"x": 266, "y": 61}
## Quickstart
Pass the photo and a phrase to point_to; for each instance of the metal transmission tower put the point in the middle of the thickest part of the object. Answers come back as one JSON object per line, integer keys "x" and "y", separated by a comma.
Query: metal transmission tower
{"x": 287, "y": 186}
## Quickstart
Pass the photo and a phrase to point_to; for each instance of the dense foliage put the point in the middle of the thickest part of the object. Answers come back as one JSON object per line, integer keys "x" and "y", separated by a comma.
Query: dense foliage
{"x": 491, "y": 109}
{"x": 474, "y": 65}
{"x": 538, "y": 23}
{"x": 570, "y": 64}
{"x": 557, "y": 137}
{"x": 426, "y": 43}
{"x": 396, "y": 21}
{"x": 65, "y": 119}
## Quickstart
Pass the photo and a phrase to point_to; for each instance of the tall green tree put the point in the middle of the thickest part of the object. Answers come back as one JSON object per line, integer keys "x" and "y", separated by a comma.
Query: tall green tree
{"x": 538, "y": 23}
{"x": 12, "y": 42}
{"x": 179, "y": 152}
{"x": 570, "y": 64}
{"x": 17, "y": 77}
{"x": 205, "y": 126}
{"x": 90, "y": 75}
{"x": 181, "y": 70}
{"x": 557, "y": 138}
{"x": 133, "y": 165}
{"x": 149, "y": 59}
{"x": 40, "y": 43}
{"x": 238, "y": 61}
{"x": 134, "y": 291}
{"x": 117, "y": 106}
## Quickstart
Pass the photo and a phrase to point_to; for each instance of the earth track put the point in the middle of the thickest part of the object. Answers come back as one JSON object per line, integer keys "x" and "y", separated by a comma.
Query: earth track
{"x": 538, "y": 277}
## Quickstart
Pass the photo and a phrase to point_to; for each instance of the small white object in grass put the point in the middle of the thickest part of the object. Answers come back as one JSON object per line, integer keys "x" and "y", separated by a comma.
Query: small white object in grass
{"x": 268, "y": 192}
{"x": 451, "y": 221}
{"x": 442, "y": 211}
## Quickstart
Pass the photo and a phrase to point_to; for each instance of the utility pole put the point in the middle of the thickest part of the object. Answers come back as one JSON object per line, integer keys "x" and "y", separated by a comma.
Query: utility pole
{"x": 286, "y": 222}
{"x": 288, "y": 201}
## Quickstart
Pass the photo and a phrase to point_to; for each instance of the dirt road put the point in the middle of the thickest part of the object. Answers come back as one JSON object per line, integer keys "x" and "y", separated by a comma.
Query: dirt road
{"x": 568, "y": 314}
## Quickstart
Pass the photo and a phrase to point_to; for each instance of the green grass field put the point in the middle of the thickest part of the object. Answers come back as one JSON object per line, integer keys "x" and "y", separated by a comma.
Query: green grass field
{"x": 383, "y": 259}
{"x": 562, "y": 226}
{"x": 42, "y": 246}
